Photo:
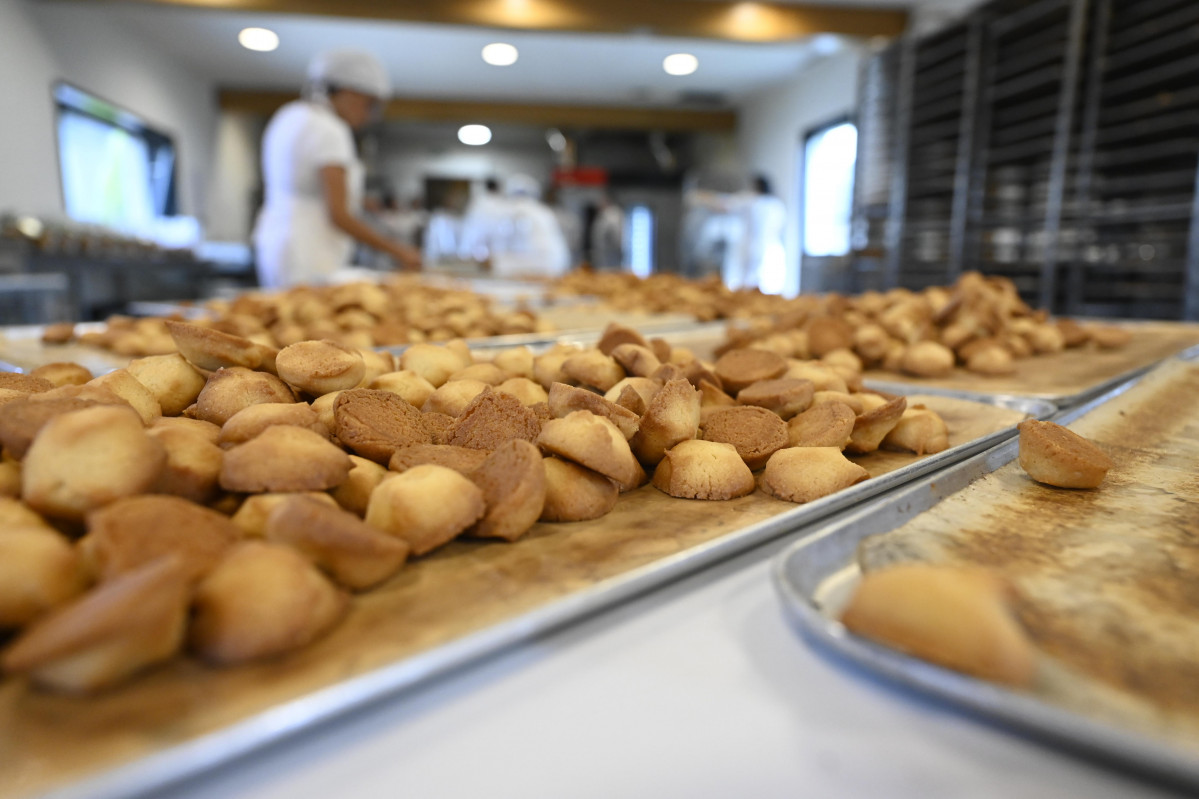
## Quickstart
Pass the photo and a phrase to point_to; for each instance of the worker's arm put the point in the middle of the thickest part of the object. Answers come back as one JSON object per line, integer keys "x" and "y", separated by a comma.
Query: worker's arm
{"x": 333, "y": 181}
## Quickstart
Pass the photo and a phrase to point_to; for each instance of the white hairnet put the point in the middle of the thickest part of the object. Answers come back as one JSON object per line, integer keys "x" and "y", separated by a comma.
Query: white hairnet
{"x": 522, "y": 186}
{"x": 351, "y": 69}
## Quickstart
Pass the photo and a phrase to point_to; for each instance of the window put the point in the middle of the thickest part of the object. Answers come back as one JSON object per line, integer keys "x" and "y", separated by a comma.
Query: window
{"x": 640, "y": 236}
{"x": 830, "y": 154}
{"x": 116, "y": 170}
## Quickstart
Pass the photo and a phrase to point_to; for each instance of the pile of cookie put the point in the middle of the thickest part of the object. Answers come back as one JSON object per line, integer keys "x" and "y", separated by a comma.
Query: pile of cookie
{"x": 979, "y": 323}
{"x": 224, "y": 499}
{"x": 399, "y": 310}
{"x": 707, "y": 299}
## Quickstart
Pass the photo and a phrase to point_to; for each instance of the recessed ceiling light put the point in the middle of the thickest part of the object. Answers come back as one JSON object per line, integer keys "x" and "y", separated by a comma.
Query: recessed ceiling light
{"x": 259, "y": 39}
{"x": 680, "y": 64}
{"x": 474, "y": 135}
{"x": 500, "y": 54}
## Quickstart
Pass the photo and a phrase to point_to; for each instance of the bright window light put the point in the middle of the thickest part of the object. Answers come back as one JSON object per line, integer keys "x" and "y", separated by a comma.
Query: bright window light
{"x": 640, "y": 235}
{"x": 680, "y": 64}
{"x": 829, "y": 157}
{"x": 500, "y": 54}
{"x": 474, "y": 135}
{"x": 259, "y": 39}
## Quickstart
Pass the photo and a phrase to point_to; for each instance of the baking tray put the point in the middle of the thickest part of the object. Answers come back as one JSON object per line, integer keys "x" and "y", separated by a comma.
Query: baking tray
{"x": 1066, "y": 378}
{"x": 815, "y": 577}
{"x": 153, "y": 758}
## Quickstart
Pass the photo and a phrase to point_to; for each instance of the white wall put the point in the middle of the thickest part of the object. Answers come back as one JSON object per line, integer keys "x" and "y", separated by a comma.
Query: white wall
{"x": 28, "y": 160}
{"x": 405, "y": 166}
{"x": 772, "y": 124}
{"x": 43, "y": 43}
{"x": 236, "y": 177}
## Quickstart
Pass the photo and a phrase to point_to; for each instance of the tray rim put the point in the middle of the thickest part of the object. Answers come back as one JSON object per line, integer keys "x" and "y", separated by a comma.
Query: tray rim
{"x": 192, "y": 758}
{"x": 1068, "y": 729}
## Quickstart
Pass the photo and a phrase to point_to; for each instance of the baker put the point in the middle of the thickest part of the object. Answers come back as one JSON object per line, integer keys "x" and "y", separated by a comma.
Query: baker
{"x": 313, "y": 178}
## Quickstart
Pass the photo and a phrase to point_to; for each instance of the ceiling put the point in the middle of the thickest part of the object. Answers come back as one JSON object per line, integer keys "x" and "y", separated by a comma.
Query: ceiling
{"x": 442, "y": 61}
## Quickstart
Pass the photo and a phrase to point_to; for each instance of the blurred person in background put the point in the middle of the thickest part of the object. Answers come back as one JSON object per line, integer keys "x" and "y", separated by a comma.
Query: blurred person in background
{"x": 536, "y": 246}
{"x": 486, "y": 224}
{"x": 311, "y": 214}
{"x": 607, "y": 236}
{"x": 571, "y": 223}
{"x": 755, "y": 255}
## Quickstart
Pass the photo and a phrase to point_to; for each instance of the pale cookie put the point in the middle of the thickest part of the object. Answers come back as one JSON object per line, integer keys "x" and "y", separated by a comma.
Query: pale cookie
{"x": 254, "y": 510}
{"x": 341, "y": 544}
{"x": 594, "y": 442}
{"x": 193, "y": 464}
{"x": 283, "y": 458}
{"x": 229, "y": 390}
{"x": 427, "y": 506}
{"x": 928, "y": 359}
{"x": 249, "y": 422}
{"x": 108, "y": 634}
{"x": 39, "y": 570}
{"x": 262, "y": 600}
{"x": 919, "y": 430}
{"x": 355, "y": 492}
{"x": 805, "y": 474}
{"x": 318, "y": 367}
{"x": 412, "y": 387}
{"x": 957, "y": 617}
{"x": 453, "y": 398}
{"x": 593, "y": 368}
{"x": 785, "y": 396}
{"x": 871, "y": 427}
{"x": 86, "y": 459}
{"x": 828, "y": 424}
{"x": 703, "y": 470}
{"x": 64, "y": 373}
{"x": 210, "y": 349}
{"x": 575, "y": 493}
{"x": 1056, "y": 456}
{"x": 172, "y": 381}
{"x": 672, "y": 416}
{"x": 564, "y": 400}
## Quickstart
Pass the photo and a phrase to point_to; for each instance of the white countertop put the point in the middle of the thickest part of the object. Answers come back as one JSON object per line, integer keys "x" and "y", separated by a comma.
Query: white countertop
{"x": 700, "y": 689}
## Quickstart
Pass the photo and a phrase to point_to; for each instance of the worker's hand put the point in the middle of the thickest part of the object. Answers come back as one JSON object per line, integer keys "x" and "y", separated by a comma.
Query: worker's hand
{"x": 409, "y": 258}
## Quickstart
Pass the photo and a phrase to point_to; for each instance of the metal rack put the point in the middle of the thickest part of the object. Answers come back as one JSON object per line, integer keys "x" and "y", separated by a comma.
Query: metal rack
{"x": 1055, "y": 142}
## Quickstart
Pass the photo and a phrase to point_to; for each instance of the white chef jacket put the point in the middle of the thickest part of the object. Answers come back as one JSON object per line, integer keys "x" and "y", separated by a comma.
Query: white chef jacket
{"x": 536, "y": 247}
{"x": 295, "y": 242}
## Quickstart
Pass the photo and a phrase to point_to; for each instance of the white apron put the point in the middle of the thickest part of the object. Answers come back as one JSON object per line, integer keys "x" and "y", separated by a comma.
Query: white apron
{"x": 296, "y": 243}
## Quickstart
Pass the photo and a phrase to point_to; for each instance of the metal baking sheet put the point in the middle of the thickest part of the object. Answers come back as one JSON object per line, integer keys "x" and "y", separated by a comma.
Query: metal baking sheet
{"x": 816, "y": 575}
{"x": 181, "y": 761}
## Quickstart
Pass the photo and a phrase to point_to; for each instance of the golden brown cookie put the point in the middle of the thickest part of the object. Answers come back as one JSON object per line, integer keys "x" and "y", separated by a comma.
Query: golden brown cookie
{"x": 86, "y": 459}
{"x": 594, "y": 442}
{"x": 516, "y": 361}
{"x": 957, "y": 617}
{"x": 756, "y": 433}
{"x": 872, "y": 426}
{"x": 205, "y": 430}
{"x": 127, "y": 387}
{"x": 593, "y": 368}
{"x": 211, "y": 350}
{"x": 39, "y": 570}
{"x": 172, "y": 381}
{"x": 318, "y": 367}
{"x": 919, "y": 430}
{"x": 427, "y": 506}
{"x": 672, "y": 416}
{"x": 262, "y": 600}
{"x": 564, "y": 400}
{"x": 490, "y": 420}
{"x": 108, "y": 634}
{"x": 575, "y": 493}
{"x": 616, "y": 334}
{"x": 928, "y": 359}
{"x": 374, "y": 424}
{"x": 487, "y": 373}
{"x": 22, "y": 418}
{"x": 284, "y": 458}
{"x": 805, "y": 474}
{"x": 193, "y": 464}
{"x": 703, "y": 470}
{"x": 433, "y": 362}
{"x": 341, "y": 544}
{"x": 1057, "y": 456}
{"x": 229, "y": 390}
{"x": 63, "y": 373}
{"x": 636, "y": 359}
{"x": 250, "y": 517}
{"x": 512, "y": 479}
{"x": 453, "y": 398}
{"x": 829, "y": 424}
{"x": 250, "y": 421}
{"x": 355, "y": 492}
{"x": 25, "y": 384}
{"x": 784, "y": 397}
{"x": 409, "y": 385}
{"x": 134, "y": 531}
{"x": 524, "y": 389}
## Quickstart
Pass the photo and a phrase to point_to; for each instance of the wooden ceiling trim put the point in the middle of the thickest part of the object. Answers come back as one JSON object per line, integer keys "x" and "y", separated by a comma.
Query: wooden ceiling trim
{"x": 736, "y": 21}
